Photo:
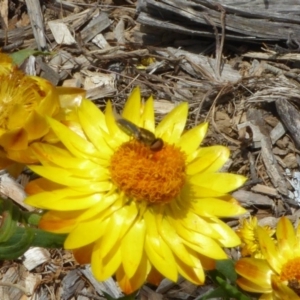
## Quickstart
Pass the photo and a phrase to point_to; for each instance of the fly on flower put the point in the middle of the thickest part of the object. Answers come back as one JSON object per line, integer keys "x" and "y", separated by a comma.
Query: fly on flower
{"x": 140, "y": 134}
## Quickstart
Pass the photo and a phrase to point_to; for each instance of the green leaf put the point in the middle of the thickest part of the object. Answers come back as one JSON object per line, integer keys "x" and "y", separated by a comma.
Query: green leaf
{"x": 224, "y": 291}
{"x": 231, "y": 291}
{"x": 31, "y": 218}
{"x": 10, "y": 215}
{"x": 224, "y": 277}
{"x": 217, "y": 292}
{"x": 47, "y": 239}
{"x": 226, "y": 268}
{"x": 20, "y": 56}
{"x": 17, "y": 244}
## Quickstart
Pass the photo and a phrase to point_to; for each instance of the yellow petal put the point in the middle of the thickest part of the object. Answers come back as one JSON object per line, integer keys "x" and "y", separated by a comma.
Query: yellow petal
{"x": 49, "y": 104}
{"x": 17, "y": 118}
{"x": 248, "y": 285}
{"x": 198, "y": 224}
{"x": 210, "y": 160}
{"x": 103, "y": 205}
{"x": 206, "y": 262}
{"x": 93, "y": 123}
{"x": 120, "y": 222}
{"x": 36, "y": 126}
{"x": 64, "y": 200}
{"x": 74, "y": 143}
{"x": 194, "y": 191}
{"x": 220, "y": 182}
{"x": 257, "y": 273}
{"x": 113, "y": 129}
{"x": 216, "y": 207}
{"x": 191, "y": 140}
{"x": 103, "y": 268}
{"x": 132, "y": 247}
{"x": 66, "y": 178}
{"x": 281, "y": 290}
{"x": 59, "y": 222}
{"x": 158, "y": 252}
{"x": 41, "y": 185}
{"x": 83, "y": 255}
{"x": 268, "y": 296}
{"x": 58, "y": 157}
{"x": 91, "y": 111}
{"x": 85, "y": 233}
{"x": 70, "y": 97}
{"x": 154, "y": 277}
{"x": 14, "y": 139}
{"x": 286, "y": 237}
{"x": 132, "y": 108}
{"x": 200, "y": 243}
{"x": 148, "y": 121}
{"x": 25, "y": 156}
{"x": 228, "y": 237}
{"x": 269, "y": 250}
{"x": 195, "y": 275}
{"x": 131, "y": 284}
{"x": 172, "y": 125}
{"x": 14, "y": 169}
{"x": 175, "y": 243}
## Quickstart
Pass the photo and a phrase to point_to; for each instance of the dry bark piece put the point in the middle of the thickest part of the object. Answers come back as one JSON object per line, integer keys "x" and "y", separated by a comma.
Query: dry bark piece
{"x": 248, "y": 199}
{"x": 255, "y": 117}
{"x": 147, "y": 293}
{"x": 34, "y": 257}
{"x": 109, "y": 286}
{"x": 200, "y": 66}
{"x": 95, "y": 26}
{"x": 263, "y": 189}
{"x": 37, "y": 23}
{"x": 72, "y": 284}
{"x": 99, "y": 85}
{"x": 119, "y": 32}
{"x": 13, "y": 285}
{"x": 47, "y": 72}
{"x": 254, "y": 20}
{"x": 290, "y": 118}
{"x": 4, "y": 14}
{"x": 9, "y": 188}
{"x": 61, "y": 33}
{"x": 273, "y": 56}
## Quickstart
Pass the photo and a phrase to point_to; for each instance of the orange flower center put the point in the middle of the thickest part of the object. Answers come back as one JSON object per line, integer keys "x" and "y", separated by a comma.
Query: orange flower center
{"x": 291, "y": 273}
{"x": 143, "y": 174}
{"x": 18, "y": 92}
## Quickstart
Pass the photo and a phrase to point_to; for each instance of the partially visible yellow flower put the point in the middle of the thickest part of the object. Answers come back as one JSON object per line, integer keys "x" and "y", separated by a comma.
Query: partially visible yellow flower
{"x": 25, "y": 102}
{"x": 138, "y": 213}
{"x": 248, "y": 235}
{"x": 277, "y": 274}
{"x": 145, "y": 62}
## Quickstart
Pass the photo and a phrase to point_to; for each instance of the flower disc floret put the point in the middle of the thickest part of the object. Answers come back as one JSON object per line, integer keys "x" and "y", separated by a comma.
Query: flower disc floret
{"x": 143, "y": 174}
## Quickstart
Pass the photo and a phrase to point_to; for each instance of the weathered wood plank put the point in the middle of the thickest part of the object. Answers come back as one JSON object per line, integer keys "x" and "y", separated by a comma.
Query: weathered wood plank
{"x": 251, "y": 20}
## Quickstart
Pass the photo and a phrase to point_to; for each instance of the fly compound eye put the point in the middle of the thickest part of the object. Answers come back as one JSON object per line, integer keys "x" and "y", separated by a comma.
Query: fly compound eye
{"x": 157, "y": 145}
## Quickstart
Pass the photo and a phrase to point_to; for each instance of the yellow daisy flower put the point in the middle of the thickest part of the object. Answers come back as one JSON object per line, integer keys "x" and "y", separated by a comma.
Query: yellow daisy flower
{"x": 25, "y": 102}
{"x": 248, "y": 235}
{"x": 131, "y": 208}
{"x": 277, "y": 274}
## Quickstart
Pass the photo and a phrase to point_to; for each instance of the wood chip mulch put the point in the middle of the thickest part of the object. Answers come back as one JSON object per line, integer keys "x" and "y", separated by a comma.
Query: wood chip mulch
{"x": 233, "y": 70}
